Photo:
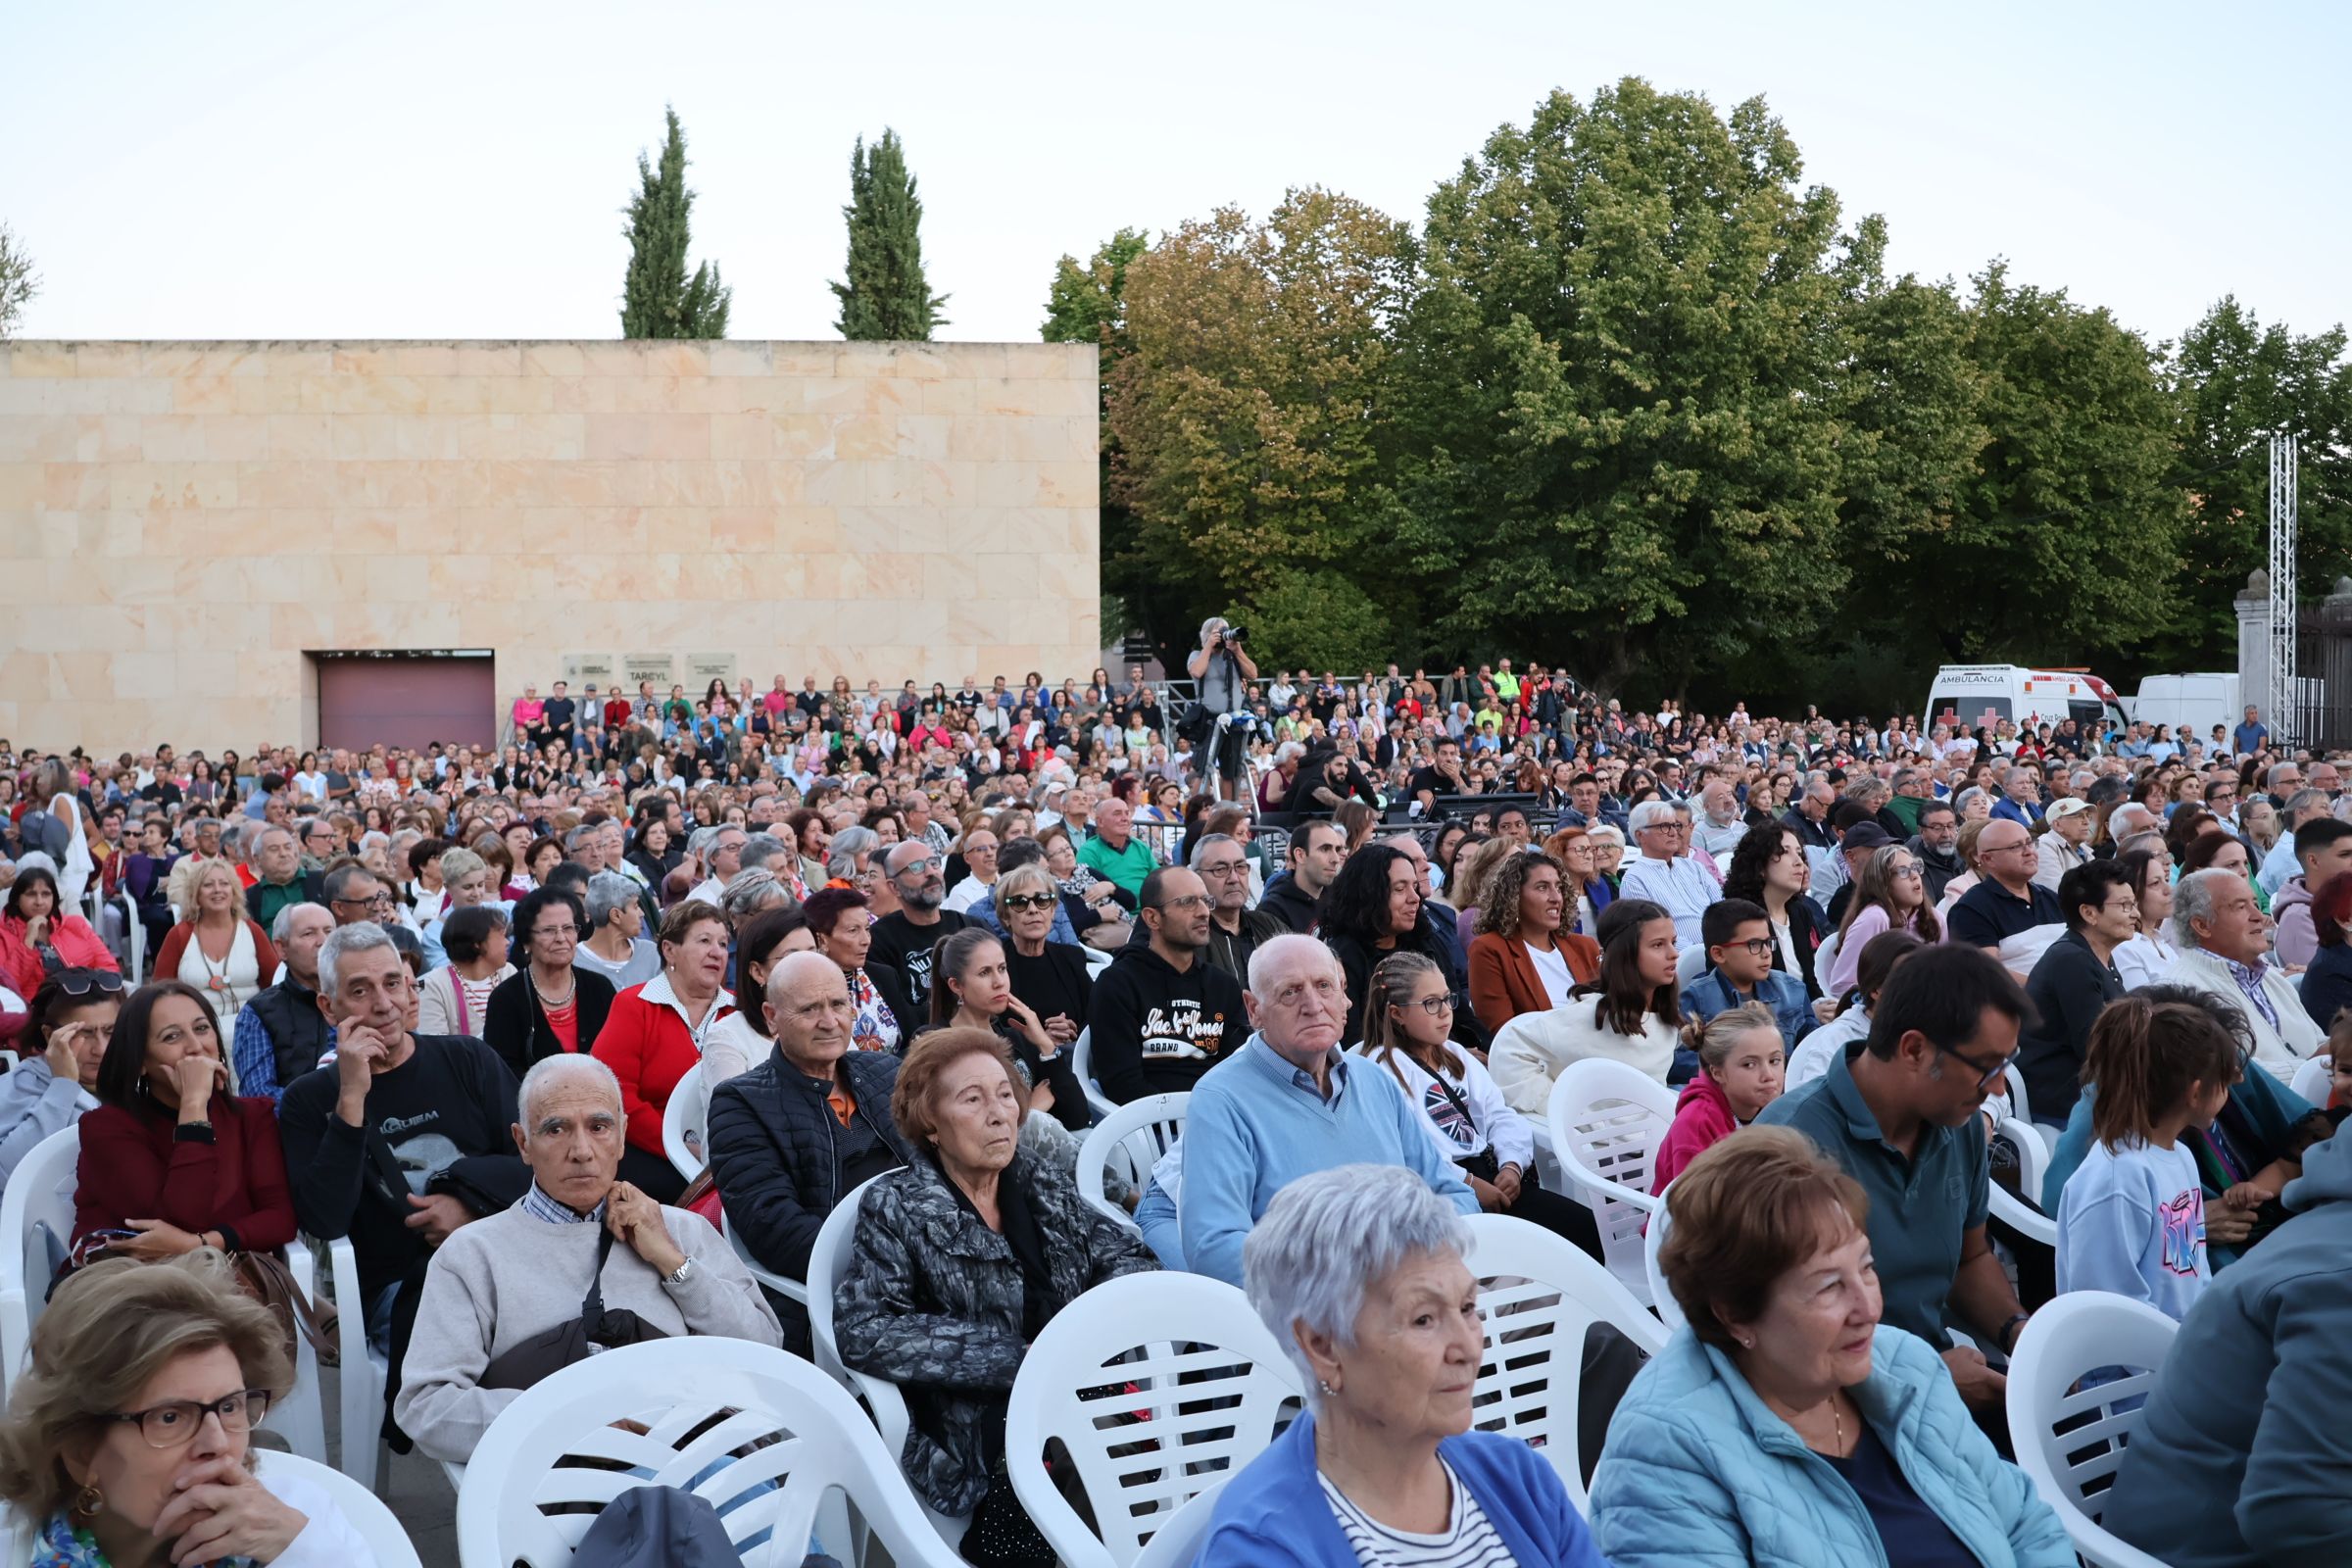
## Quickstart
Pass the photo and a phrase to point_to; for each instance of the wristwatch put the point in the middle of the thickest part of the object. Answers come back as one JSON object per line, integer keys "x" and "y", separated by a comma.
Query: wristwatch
{"x": 685, "y": 1271}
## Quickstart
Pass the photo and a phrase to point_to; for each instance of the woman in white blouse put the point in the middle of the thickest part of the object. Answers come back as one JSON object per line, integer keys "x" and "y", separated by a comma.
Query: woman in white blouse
{"x": 2144, "y": 959}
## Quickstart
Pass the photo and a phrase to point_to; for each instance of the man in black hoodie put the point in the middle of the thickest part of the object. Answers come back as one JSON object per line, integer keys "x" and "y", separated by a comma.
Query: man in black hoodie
{"x": 1315, "y": 856}
{"x": 1162, "y": 1013}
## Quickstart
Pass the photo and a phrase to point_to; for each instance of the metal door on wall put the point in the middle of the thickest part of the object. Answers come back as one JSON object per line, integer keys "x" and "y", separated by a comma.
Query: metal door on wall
{"x": 408, "y": 700}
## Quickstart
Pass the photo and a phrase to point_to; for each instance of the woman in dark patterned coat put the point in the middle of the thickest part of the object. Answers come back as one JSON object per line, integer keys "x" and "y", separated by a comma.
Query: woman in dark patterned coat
{"x": 959, "y": 1261}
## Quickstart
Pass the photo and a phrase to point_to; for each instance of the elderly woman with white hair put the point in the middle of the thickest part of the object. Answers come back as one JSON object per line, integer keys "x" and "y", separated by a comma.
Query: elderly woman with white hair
{"x": 615, "y": 945}
{"x": 502, "y": 1292}
{"x": 1358, "y": 1271}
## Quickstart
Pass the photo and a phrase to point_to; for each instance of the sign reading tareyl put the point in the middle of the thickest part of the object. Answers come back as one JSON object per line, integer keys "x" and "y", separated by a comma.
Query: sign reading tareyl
{"x": 660, "y": 668}
{"x": 704, "y": 668}
{"x": 580, "y": 668}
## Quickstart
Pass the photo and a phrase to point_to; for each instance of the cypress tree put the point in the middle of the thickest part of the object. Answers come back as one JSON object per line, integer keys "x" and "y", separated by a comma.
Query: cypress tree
{"x": 658, "y": 299}
{"x": 885, "y": 297}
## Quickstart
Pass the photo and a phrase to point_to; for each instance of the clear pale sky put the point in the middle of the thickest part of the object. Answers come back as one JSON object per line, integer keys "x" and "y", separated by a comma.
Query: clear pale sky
{"x": 434, "y": 169}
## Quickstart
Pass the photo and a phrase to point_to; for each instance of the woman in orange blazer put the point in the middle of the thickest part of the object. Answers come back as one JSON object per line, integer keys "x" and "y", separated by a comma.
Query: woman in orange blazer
{"x": 1521, "y": 960}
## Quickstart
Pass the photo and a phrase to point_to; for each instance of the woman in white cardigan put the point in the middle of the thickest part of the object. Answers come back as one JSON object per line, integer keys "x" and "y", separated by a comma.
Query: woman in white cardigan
{"x": 1631, "y": 1013}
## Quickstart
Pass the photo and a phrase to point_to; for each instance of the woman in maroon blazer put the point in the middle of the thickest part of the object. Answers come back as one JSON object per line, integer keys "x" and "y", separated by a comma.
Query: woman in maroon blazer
{"x": 170, "y": 1155}
{"x": 1522, "y": 961}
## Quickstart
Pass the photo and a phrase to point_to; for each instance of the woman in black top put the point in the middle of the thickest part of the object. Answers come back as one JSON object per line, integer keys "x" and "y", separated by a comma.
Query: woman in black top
{"x": 1050, "y": 978}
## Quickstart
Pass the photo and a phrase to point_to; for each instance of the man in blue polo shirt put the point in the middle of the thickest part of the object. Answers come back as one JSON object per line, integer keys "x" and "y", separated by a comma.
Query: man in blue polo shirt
{"x": 1902, "y": 1119}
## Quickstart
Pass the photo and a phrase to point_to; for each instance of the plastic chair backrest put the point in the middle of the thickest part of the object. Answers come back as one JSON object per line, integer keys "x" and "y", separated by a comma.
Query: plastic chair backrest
{"x": 36, "y": 1209}
{"x": 1176, "y": 1541}
{"x": 1157, "y": 1384}
{"x": 2070, "y": 1439}
{"x": 1134, "y": 1136}
{"x": 686, "y": 1117}
{"x": 364, "y": 1508}
{"x": 2033, "y": 1155}
{"x": 553, "y": 1458}
{"x": 1661, "y": 1295}
{"x": 1690, "y": 964}
{"x": 2018, "y": 1105}
{"x": 1538, "y": 1293}
{"x": 2314, "y": 1079}
{"x": 1607, "y": 1120}
{"x": 1082, "y": 1063}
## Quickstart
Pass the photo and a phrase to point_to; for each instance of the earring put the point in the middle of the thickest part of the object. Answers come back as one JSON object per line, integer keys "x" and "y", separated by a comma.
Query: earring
{"x": 1324, "y": 1387}
{"x": 87, "y": 1502}
{"x": 1746, "y": 1343}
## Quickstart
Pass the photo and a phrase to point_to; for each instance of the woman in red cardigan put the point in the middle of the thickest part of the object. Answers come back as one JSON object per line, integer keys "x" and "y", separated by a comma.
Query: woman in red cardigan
{"x": 655, "y": 1031}
{"x": 1522, "y": 961}
{"x": 37, "y": 937}
{"x": 169, "y": 1154}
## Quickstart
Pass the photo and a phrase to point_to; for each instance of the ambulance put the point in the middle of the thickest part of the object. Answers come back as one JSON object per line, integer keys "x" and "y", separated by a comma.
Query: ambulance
{"x": 1973, "y": 695}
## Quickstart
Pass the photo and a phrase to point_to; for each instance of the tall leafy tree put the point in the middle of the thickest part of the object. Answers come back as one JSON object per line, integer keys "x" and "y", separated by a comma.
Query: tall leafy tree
{"x": 887, "y": 298}
{"x": 2238, "y": 382}
{"x": 18, "y": 283}
{"x": 1624, "y": 388}
{"x": 658, "y": 299}
{"x": 1250, "y": 428}
{"x": 1088, "y": 304}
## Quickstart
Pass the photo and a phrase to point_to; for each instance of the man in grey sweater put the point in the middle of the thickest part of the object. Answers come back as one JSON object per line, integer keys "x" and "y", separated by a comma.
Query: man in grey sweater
{"x": 502, "y": 1280}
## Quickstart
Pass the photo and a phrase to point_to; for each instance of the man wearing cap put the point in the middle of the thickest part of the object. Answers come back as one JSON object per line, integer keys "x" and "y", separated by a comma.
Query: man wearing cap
{"x": 2067, "y": 844}
{"x": 1863, "y": 838}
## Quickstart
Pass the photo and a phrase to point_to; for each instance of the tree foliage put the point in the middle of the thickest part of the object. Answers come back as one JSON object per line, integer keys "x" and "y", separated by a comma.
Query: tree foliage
{"x": 658, "y": 299}
{"x": 886, "y": 298}
{"x": 18, "y": 283}
{"x": 1089, "y": 303}
{"x": 1250, "y": 422}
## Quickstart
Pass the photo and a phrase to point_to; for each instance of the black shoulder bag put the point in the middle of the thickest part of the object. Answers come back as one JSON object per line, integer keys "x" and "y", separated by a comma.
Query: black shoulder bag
{"x": 594, "y": 1329}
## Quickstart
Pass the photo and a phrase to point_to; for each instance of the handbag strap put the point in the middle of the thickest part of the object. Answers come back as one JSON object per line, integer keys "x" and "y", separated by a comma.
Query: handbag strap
{"x": 592, "y": 1308}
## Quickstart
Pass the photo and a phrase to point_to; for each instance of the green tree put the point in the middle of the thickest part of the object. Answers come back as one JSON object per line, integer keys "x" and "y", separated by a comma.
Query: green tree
{"x": 886, "y": 298}
{"x": 1625, "y": 389}
{"x": 1250, "y": 421}
{"x": 18, "y": 283}
{"x": 1089, "y": 303}
{"x": 2239, "y": 382}
{"x": 656, "y": 298}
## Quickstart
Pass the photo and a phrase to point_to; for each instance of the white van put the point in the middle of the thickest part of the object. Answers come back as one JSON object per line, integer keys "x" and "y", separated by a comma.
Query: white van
{"x": 1970, "y": 695}
{"x": 2192, "y": 705}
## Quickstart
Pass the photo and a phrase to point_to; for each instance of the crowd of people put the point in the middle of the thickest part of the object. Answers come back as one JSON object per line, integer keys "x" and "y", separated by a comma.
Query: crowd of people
{"x": 912, "y": 946}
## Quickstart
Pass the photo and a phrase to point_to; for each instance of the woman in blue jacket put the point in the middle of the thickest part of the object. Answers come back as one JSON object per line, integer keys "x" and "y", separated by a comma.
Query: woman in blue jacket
{"x": 1358, "y": 1272}
{"x": 1783, "y": 1427}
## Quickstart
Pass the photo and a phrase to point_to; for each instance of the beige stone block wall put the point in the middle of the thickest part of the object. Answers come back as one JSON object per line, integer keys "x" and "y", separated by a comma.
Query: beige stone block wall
{"x": 183, "y": 524}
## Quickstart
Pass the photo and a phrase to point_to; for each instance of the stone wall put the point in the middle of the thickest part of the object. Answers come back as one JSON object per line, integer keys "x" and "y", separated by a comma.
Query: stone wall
{"x": 183, "y": 524}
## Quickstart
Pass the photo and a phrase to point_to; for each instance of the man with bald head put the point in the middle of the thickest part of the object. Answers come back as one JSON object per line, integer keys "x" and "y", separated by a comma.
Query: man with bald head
{"x": 801, "y": 1131}
{"x": 905, "y": 936}
{"x": 1288, "y": 1103}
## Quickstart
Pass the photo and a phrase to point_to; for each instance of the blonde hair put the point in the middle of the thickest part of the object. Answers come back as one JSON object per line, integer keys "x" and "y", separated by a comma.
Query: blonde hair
{"x": 1032, "y": 877}
{"x": 459, "y": 864}
{"x": 210, "y": 870}
{"x": 109, "y": 1329}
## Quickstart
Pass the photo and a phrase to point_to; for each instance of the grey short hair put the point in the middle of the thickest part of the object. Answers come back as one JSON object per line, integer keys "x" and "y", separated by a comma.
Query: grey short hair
{"x": 563, "y": 1064}
{"x": 757, "y": 849}
{"x": 2271, "y": 780}
{"x": 577, "y": 837}
{"x": 1648, "y": 814}
{"x": 285, "y": 919}
{"x": 1327, "y": 1238}
{"x": 699, "y": 841}
{"x": 337, "y": 884}
{"x": 2193, "y": 900}
{"x": 2303, "y": 800}
{"x": 1205, "y": 843}
{"x": 346, "y": 941}
{"x": 750, "y": 892}
{"x": 840, "y": 854}
{"x": 608, "y": 891}
{"x": 459, "y": 864}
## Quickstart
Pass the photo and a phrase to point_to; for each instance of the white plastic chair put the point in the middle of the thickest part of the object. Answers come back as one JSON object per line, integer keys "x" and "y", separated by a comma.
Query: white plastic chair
{"x": 1538, "y": 1293}
{"x": 1157, "y": 1384}
{"x": 528, "y": 1497}
{"x": 1134, "y": 1136}
{"x": 1082, "y": 1063}
{"x": 363, "y": 1372}
{"x": 1825, "y": 958}
{"x": 2033, "y": 1163}
{"x": 2073, "y": 1468}
{"x": 790, "y": 1290}
{"x": 1690, "y": 964}
{"x": 1606, "y": 1121}
{"x": 2313, "y": 1079}
{"x": 1178, "y": 1542}
{"x": 685, "y": 1134}
{"x": 1661, "y": 1295}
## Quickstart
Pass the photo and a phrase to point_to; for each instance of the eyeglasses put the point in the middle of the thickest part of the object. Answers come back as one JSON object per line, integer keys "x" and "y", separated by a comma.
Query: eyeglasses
{"x": 1190, "y": 900}
{"x": 1017, "y": 901}
{"x": 1233, "y": 868}
{"x": 567, "y": 930}
{"x": 1434, "y": 1006}
{"x": 174, "y": 1423}
{"x": 1760, "y": 947}
{"x": 1909, "y": 871}
{"x": 1987, "y": 1077}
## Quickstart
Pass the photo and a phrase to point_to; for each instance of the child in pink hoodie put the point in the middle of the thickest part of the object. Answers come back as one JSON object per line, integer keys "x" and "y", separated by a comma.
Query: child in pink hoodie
{"x": 1740, "y": 1070}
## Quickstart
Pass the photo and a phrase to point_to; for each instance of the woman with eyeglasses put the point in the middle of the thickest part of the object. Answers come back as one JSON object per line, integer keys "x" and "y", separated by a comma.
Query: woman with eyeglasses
{"x": 70, "y": 1024}
{"x": 1891, "y": 895}
{"x": 551, "y": 1004}
{"x": 1050, "y": 978}
{"x": 129, "y": 1440}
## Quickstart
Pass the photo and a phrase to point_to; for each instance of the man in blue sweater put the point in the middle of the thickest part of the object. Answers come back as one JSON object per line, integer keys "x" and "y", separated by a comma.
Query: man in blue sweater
{"x": 1290, "y": 1102}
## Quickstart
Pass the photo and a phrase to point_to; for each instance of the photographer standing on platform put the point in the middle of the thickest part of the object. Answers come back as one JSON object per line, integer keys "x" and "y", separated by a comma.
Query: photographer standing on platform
{"x": 1223, "y": 670}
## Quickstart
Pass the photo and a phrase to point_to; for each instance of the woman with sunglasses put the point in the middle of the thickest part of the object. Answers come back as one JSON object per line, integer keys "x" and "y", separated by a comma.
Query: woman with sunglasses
{"x": 1050, "y": 978}
{"x": 129, "y": 1438}
{"x": 71, "y": 1022}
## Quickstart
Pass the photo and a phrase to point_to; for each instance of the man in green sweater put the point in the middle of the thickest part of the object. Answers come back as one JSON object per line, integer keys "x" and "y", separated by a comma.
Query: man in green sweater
{"x": 1114, "y": 854}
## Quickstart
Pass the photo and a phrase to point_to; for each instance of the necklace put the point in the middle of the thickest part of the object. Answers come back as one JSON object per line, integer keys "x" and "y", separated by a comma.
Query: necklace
{"x": 563, "y": 1001}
